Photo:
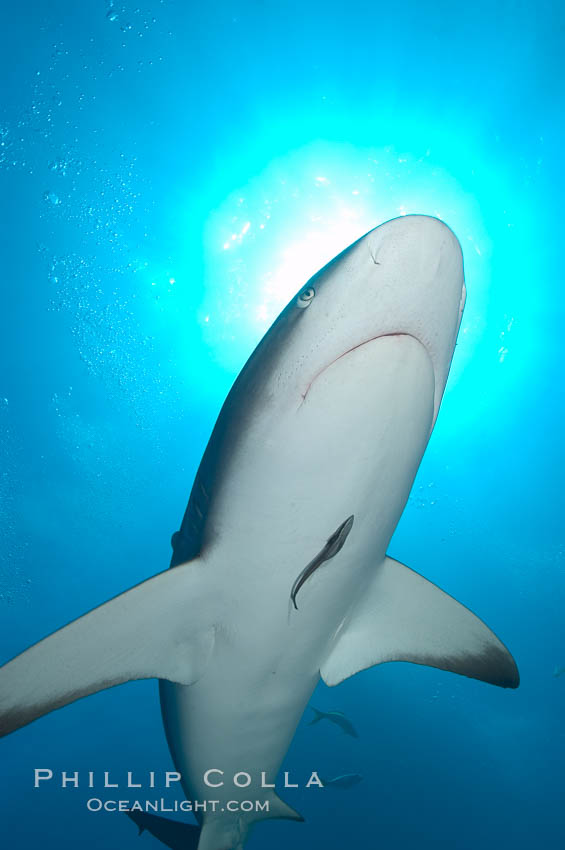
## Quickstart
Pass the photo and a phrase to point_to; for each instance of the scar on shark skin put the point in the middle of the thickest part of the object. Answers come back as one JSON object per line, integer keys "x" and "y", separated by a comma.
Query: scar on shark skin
{"x": 332, "y": 547}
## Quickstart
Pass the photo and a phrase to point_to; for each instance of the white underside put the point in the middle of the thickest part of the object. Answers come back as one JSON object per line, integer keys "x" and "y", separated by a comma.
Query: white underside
{"x": 223, "y": 626}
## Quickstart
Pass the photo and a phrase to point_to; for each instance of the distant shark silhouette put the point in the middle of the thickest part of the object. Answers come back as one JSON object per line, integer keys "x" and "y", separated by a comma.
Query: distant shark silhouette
{"x": 347, "y": 780}
{"x": 173, "y": 833}
{"x": 304, "y": 479}
{"x": 336, "y": 717}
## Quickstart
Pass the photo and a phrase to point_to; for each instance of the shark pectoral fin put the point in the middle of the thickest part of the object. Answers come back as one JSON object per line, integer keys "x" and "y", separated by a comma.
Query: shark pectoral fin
{"x": 161, "y": 628}
{"x": 221, "y": 832}
{"x": 404, "y": 617}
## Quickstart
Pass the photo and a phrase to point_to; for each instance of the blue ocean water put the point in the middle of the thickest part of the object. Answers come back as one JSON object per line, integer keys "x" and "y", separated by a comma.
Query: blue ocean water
{"x": 170, "y": 175}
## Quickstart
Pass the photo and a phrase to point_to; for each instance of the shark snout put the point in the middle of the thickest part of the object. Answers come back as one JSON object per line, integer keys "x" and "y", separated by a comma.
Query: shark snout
{"x": 420, "y": 236}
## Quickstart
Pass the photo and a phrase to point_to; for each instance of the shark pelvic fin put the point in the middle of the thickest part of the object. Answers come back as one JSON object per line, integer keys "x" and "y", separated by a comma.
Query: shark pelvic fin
{"x": 278, "y": 809}
{"x": 221, "y": 833}
{"x": 404, "y": 617}
{"x": 161, "y": 628}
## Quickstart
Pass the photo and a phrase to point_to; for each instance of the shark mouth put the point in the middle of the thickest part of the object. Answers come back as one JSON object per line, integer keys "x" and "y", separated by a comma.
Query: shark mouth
{"x": 396, "y": 334}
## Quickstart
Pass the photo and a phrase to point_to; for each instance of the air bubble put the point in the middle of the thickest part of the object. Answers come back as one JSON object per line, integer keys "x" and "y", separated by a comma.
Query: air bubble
{"x": 51, "y": 198}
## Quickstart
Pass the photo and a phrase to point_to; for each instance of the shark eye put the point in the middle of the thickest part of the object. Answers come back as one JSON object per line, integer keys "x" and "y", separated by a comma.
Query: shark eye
{"x": 305, "y": 298}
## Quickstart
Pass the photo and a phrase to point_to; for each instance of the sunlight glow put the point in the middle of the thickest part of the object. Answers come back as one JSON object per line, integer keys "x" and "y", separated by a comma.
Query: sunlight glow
{"x": 263, "y": 244}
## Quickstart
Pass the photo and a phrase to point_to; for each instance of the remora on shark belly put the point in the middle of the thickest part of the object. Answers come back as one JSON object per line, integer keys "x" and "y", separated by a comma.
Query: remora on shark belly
{"x": 328, "y": 419}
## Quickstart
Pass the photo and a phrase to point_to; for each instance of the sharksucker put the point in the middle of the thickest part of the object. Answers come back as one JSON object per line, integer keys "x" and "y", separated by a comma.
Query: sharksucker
{"x": 330, "y": 550}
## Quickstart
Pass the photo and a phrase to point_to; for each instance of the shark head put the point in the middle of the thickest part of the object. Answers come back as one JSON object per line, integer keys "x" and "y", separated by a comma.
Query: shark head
{"x": 345, "y": 386}
{"x": 402, "y": 278}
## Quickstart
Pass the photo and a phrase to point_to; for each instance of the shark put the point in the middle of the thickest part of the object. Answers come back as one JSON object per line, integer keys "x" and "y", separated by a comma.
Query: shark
{"x": 280, "y": 574}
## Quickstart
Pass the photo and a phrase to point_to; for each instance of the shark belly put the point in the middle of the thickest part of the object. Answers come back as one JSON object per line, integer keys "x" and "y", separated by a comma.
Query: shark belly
{"x": 218, "y": 730}
{"x": 241, "y": 715}
{"x": 279, "y": 494}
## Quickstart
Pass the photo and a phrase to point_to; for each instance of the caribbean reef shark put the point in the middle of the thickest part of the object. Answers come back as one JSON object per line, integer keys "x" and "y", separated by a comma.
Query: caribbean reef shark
{"x": 280, "y": 573}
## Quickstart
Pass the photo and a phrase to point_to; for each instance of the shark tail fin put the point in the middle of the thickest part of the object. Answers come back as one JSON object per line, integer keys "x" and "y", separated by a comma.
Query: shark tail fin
{"x": 403, "y": 617}
{"x": 318, "y": 715}
{"x": 158, "y": 629}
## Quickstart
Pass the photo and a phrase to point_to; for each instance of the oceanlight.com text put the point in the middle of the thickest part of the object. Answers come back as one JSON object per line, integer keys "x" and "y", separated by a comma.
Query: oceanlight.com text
{"x": 95, "y": 804}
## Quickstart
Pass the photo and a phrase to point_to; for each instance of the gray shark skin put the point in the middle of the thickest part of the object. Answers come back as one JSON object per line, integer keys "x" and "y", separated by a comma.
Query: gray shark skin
{"x": 336, "y": 717}
{"x": 328, "y": 419}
